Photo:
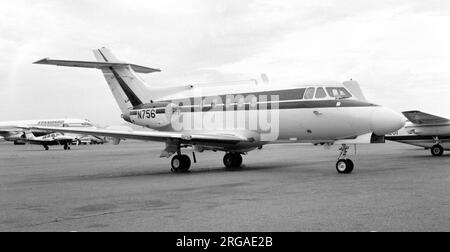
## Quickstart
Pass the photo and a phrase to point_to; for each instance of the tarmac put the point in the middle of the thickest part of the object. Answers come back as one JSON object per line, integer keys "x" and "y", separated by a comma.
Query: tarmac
{"x": 128, "y": 187}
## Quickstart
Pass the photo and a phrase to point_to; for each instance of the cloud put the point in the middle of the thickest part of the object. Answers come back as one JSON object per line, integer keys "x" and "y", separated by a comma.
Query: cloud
{"x": 391, "y": 47}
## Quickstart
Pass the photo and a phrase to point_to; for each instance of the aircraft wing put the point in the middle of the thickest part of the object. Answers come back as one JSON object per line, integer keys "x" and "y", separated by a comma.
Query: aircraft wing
{"x": 8, "y": 130}
{"x": 155, "y": 136}
{"x": 418, "y": 117}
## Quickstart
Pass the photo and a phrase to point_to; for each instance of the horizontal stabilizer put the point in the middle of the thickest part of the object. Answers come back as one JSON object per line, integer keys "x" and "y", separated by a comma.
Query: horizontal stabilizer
{"x": 94, "y": 64}
{"x": 418, "y": 117}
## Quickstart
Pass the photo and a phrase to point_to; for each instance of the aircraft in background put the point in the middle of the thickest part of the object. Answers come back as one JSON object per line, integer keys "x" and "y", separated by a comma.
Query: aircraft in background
{"x": 49, "y": 140}
{"x": 13, "y": 130}
{"x": 425, "y": 130}
{"x": 221, "y": 118}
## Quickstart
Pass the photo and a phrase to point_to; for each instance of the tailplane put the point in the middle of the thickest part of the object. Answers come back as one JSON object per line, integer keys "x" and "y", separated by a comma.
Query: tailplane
{"x": 128, "y": 88}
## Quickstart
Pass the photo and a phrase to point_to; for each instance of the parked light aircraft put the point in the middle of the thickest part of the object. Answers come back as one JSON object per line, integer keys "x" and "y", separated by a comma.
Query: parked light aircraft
{"x": 237, "y": 119}
{"x": 425, "y": 130}
{"x": 13, "y": 130}
{"x": 49, "y": 140}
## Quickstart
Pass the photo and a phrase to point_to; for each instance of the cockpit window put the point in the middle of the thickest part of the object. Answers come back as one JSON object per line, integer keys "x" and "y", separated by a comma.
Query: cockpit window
{"x": 309, "y": 94}
{"x": 320, "y": 93}
{"x": 338, "y": 92}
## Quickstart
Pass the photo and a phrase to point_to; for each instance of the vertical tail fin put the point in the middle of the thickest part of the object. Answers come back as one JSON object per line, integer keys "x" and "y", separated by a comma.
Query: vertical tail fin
{"x": 128, "y": 88}
{"x": 29, "y": 135}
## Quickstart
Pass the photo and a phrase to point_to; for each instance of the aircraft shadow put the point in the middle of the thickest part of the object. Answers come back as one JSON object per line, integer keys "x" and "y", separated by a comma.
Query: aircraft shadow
{"x": 163, "y": 174}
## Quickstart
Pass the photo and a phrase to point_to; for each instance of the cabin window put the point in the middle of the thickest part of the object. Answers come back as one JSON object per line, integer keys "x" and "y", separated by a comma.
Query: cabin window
{"x": 309, "y": 94}
{"x": 320, "y": 93}
{"x": 293, "y": 94}
{"x": 338, "y": 92}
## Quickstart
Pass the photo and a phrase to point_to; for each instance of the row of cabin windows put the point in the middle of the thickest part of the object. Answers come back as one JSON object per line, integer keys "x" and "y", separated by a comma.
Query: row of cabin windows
{"x": 298, "y": 94}
{"x": 316, "y": 93}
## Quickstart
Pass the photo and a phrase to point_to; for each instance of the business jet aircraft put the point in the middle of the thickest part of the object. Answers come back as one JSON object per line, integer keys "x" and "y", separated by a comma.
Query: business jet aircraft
{"x": 13, "y": 131}
{"x": 49, "y": 140}
{"x": 425, "y": 130}
{"x": 236, "y": 119}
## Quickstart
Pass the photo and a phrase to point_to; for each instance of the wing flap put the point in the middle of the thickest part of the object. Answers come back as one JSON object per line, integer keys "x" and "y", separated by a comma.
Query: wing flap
{"x": 419, "y": 117}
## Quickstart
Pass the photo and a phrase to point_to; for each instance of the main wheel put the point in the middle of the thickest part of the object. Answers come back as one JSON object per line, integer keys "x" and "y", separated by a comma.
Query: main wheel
{"x": 437, "y": 150}
{"x": 345, "y": 166}
{"x": 181, "y": 163}
{"x": 46, "y": 148}
{"x": 232, "y": 160}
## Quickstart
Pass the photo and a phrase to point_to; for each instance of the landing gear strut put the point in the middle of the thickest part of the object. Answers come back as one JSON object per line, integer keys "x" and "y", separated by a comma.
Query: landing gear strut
{"x": 66, "y": 147}
{"x": 232, "y": 160}
{"x": 344, "y": 165}
{"x": 181, "y": 163}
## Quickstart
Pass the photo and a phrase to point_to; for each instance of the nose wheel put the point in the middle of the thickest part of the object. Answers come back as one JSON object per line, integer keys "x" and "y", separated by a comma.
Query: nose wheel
{"x": 344, "y": 165}
{"x": 181, "y": 163}
{"x": 437, "y": 150}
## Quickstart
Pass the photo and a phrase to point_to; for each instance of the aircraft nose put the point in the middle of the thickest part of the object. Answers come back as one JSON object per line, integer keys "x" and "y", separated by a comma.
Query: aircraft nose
{"x": 386, "y": 121}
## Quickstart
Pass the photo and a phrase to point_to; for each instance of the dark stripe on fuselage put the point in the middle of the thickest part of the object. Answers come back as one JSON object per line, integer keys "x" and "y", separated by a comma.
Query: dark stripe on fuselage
{"x": 414, "y": 137}
{"x": 299, "y": 104}
{"x": 132, "y": 97}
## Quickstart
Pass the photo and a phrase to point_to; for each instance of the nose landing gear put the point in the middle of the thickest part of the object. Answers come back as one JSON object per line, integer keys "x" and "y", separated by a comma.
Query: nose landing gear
{"x": 344, "y": 165}
{"x": 437, "y": 150}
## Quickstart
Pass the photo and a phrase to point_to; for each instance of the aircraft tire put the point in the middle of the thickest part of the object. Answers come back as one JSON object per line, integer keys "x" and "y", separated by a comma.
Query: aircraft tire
{"x": 345, "y": 166}
{"x": 437, "y": 150}
{"x": 232, "y": 160}
{"x": 180, "y": 163}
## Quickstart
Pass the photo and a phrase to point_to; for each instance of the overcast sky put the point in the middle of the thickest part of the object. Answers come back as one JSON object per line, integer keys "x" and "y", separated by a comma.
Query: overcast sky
{"x": 398, "y": 50}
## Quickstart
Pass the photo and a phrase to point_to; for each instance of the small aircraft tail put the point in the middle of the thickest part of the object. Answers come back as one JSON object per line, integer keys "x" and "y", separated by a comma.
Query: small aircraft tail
{"x": 29, "y": 135}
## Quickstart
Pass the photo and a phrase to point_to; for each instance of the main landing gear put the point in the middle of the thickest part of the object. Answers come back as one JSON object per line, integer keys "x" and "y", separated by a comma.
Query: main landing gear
{"x": 66, "y": 147}
{"x": 181, "y": 163}
{"x": 344, "y": 165}
{"x": 437, "y": 150}
{"x": 232, "y": 160}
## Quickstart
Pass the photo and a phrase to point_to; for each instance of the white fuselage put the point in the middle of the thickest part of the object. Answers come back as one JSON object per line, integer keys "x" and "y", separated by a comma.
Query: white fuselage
{"x": 425, "y": 135}
{"x": 290, "y": 117}
{"x": 428, "y": 130}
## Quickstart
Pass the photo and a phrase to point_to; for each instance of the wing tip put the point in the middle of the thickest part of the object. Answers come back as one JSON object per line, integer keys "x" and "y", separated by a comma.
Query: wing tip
{"x": 42, "y": 61}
